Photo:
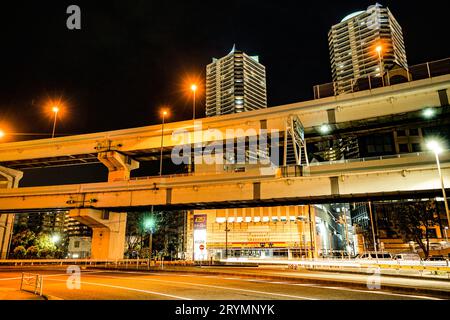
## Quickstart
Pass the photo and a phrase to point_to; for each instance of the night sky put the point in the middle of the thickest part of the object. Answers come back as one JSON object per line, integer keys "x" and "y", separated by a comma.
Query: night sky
{"x": 131, "y": 57}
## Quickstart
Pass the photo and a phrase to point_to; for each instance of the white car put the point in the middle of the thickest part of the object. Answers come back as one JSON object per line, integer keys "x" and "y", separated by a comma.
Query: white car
{"x": 373, "y": 256}
{"x": 407, "y": 257}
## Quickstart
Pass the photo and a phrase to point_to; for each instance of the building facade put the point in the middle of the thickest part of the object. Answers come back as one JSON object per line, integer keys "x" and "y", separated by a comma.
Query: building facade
{"x": 235, "y": 83}
{"x": 52, "y": 222}
{"x": 353, "y": 47}
{"x": 79, "y": 247}
{"x": 282, "y": 232}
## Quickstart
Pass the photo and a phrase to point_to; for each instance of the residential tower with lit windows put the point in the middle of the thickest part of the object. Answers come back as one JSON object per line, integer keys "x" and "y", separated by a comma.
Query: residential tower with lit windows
{"x": 365, "y": 44}
{"x": 235, "y": 83}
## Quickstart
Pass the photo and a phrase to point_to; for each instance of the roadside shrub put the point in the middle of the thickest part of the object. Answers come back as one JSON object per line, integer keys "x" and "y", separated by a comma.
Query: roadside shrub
{"x": 32, "y": 252}
{"x": 19, "y": 252}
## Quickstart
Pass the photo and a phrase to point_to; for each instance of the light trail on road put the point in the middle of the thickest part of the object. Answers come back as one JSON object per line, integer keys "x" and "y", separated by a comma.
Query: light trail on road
{"x": 134, "y": 285}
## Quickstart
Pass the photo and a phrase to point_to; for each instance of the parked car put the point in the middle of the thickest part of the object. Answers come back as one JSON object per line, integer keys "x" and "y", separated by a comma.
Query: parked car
{"x": 407, "y": 257}
{"x": 437, "y": 258}
{"x": 373, "y": 256}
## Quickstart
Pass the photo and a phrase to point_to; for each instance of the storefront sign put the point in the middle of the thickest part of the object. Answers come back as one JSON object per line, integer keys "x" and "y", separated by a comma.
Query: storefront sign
{"x": 200, "y": 252}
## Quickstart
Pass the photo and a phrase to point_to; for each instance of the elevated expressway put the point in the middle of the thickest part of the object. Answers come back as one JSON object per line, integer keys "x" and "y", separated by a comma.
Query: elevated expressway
{"x": 99, "y": 204}
{"x": 140, "y": 144}
{"x": 408, "y": 176}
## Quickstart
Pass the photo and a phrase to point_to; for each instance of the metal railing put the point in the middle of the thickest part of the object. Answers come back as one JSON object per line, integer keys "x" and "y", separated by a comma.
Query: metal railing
{"x": 140, "y": 263}
{"x": 32, "y": 283}
{"x": 388, "y": 157}
{"x": 391, "y": 77}
{"x": 423, "y": 269}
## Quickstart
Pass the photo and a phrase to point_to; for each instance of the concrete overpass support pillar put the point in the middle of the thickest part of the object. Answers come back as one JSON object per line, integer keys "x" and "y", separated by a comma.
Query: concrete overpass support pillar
{"x": 108, "y": 232}
{"x": 108, "y": 229}
{"x": 119, "y": 165}
{"x": 9, "y": 178}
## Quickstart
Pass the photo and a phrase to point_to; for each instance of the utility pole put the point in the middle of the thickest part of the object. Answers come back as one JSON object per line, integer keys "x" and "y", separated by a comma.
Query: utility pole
{"x": 346, "y": 232}
{"x": 373, "y": 231}
{"x": 226, "y": 238}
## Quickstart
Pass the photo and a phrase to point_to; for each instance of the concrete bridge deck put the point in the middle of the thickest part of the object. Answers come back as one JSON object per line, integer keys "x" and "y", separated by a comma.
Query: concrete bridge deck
{"x": 407, "y": 176}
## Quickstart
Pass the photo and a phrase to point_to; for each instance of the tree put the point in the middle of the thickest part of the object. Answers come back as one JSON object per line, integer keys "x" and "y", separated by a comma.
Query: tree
{"x": 45, "y": 242}
{"x": 19, "y": 252}
{"x": 32, "y": 252}
{"x": 415, "y": 220}
{"x": 134, "y": 233}
{"x": 24, "y": 238}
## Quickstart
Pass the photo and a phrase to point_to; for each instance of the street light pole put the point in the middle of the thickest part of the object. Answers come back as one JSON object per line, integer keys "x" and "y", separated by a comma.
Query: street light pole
{"x": 55, "y": 111}
{"x": 194, "y": 89}
{"x": 379, "y": 49}
{"x": 162, "y": 143}
{"x": 436, "y": 148}
{"x": 442, "y": 186}
{"x": 373, "y": 230}
{"x": 346, "y": 233}
{"x": 150, "y": 243}
{"x": 226, "y": 238}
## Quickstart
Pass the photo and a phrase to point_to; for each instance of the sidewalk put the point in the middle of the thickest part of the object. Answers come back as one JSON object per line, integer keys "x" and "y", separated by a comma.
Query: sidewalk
{"x": 15, "y": 294}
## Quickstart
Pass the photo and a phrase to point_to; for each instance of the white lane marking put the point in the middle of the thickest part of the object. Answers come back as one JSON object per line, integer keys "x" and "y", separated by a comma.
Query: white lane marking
{"x": 47, "y": 275}
{"x": 216, "y": 287}
{"x": 128, "y": 288}
{"x": 286, "y": 283}
{"x": 383, "y": 293}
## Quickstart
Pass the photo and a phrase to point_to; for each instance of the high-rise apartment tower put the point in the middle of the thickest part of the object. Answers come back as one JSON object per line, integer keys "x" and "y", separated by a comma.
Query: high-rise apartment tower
{"x": 365, "y": 43}
{"x": 235, "y": 83}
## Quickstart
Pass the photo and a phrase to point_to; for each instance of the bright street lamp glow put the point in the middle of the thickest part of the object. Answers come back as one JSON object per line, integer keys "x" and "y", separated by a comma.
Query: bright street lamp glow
{"x": 194, "y": 87}
{"x": 55, "y": 109}
{"x": 149, "y": 224}
{"x": 324, "y": 129}
{"x": 379, "y": 49}
{"x": 55, "y": 238}
{"x": 429, "y": 112}
{"x": 2, "y": 133}
{"x": 434, "y": 146}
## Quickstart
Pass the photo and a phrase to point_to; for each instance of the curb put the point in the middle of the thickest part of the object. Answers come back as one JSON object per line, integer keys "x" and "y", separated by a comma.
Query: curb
{"x": 49, "y": 297}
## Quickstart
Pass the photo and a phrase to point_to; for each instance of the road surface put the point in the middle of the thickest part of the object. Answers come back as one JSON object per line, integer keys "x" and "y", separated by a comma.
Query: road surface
{"x": 130, "y": 285}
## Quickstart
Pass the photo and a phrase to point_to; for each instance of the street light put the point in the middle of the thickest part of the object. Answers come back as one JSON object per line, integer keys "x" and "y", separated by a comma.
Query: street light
{"x": 325, "y": 129}
{"x": 429, "y": 113}
{"x": 55, "y": 110}
{"x": 194, "y": 89}
{"x": 55, "y": 238}
{"x": 434, "y": 146}
{"x": 2, "y": 134}
{"x": 164, "y": 113}
{"x": 149, "y": 226}
{"x": 379, "y": 50}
